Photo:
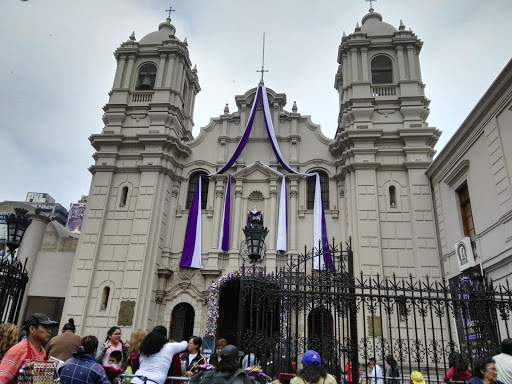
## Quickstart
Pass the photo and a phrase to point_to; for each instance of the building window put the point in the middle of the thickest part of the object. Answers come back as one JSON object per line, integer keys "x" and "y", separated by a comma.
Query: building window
{"x": 382, "y": 70}
{"x": 392, "y": 196}
{"x": 182, "y": 322}
{"x": 104, "y": 298}
{"x": 147, "y": 76}
{"x": 192, "y": 185}
{"x": 185, "y": 92}
{"x": 324, "y": 186}
{"x": 465, "y": 210}
{"x": 124, "y": 196}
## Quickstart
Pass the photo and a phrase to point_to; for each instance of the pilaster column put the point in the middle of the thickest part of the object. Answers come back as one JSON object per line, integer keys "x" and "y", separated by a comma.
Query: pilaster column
{"x": 272, "y": 228}
{"x": 169, "y": 69}
{"x": 29, "y": 249}
{"x": 344, "y": 68}
{"x": 128, "y": 72}
{"x": 160, "y": 72}
{"x": 217, "y": 214}
{"x": 119, "y": 71}
{"x": 237, "y": 215}
{"x": 172, "y": 217}
{"x": 401, "y": 61}
{"x": 364, "y": 61}
{"x": 353, "y": 56}
{"x": 412, "y": 63}
{"x": 294, "y": 192}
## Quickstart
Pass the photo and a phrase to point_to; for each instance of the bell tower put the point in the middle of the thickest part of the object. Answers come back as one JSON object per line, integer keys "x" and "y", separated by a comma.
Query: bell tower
{"x": 136, "y": 178}
{"x": 383, "y": 147}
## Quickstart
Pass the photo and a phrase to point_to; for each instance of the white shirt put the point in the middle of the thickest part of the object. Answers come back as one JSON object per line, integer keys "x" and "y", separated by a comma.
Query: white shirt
{"x": 155, "y": 367}
{"x": 377, "y": 375}
{"x": 504, "y": 367}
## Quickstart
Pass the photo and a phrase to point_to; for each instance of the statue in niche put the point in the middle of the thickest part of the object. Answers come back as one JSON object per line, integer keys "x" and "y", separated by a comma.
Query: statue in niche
{"x": 255, "y": 217}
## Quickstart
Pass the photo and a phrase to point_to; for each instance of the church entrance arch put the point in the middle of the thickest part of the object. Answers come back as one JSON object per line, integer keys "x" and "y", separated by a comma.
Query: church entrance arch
{"x": 240, "y": 312}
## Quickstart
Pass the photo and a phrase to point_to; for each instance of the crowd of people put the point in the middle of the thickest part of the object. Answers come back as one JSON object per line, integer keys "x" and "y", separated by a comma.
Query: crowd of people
{"x": 157, "y": 359}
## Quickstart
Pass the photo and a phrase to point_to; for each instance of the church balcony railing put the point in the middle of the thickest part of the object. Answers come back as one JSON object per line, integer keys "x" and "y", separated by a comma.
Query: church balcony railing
{"x": 384, "y": 90}
{"x": 142, "y": 97}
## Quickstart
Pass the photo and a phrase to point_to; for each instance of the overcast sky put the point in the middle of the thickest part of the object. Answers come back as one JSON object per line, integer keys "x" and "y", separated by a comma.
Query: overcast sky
{"x": 57, "y": 67}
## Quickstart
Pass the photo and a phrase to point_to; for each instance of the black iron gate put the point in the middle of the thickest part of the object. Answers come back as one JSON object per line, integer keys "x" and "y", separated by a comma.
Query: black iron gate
{"x": 13, "y": 280}
{"x": 349, "y": 318}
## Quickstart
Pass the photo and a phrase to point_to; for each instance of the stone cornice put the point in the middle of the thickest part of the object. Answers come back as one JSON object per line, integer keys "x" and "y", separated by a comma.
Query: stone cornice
{"x": 417, "y": 164}
{"x": 454, "y": 175}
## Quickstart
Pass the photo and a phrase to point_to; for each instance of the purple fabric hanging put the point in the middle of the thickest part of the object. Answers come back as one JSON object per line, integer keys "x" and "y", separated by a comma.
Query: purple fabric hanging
{"x": 224, "y": 239}
{"x": 325, "y": 244}
{"x": 245, "y": 136}
{"x": 191, "y": 231}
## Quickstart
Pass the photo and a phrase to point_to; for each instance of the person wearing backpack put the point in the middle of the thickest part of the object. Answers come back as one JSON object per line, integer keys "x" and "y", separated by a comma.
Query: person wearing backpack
{"x": 228, "y": 370}
{"x": 391, "y": 373}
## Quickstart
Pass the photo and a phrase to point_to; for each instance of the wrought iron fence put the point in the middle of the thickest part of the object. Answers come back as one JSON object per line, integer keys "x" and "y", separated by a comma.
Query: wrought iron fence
{"x": 347, "y": 318}
{"x": 13, "y": 280}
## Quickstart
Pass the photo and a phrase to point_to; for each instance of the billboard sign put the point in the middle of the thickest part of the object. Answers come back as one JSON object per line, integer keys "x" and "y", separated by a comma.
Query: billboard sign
{"x": 76, "y": 216}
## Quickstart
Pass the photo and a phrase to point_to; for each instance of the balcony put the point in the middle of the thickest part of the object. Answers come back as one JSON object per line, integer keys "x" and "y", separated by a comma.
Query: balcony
{"x": 384, "y": 90}
{"x": 142, "y": 97}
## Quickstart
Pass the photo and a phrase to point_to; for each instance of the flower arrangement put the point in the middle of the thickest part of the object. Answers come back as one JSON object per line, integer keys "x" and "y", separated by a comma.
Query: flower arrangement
{"x": 213, "y": 299}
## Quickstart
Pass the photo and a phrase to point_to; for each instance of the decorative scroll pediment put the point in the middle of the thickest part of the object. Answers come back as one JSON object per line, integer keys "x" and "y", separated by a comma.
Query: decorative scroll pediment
{"x": 257, "y": 172}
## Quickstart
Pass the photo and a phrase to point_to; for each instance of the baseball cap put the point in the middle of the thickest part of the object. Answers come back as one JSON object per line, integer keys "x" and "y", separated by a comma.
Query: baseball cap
{"x": 311, "y": 359}
{"x": 37, "y": 318}
{"x": 417, "y": 377}
{"x": 231, "y": 351}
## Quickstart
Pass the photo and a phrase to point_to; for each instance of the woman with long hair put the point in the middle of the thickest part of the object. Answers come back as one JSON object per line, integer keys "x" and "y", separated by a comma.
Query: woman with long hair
{"x": 112, "y": 343}
{"x": 313, "y": 371}
{"x": 8, "y": 337}
{"x": 156, "y": 355}
{"x": 458, "y": 371}
{"x": 134, "y": 349}
{"x": 62, "y": 346}
{"x": 391, "y": 373}
{"x": 82, "y": 367}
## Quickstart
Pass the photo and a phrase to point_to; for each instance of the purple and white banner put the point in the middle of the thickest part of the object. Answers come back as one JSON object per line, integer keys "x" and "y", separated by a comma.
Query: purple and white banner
{"x": 192, "y": 245}
{"x": 191, "y": 256}
{"x": 224, "y": 226}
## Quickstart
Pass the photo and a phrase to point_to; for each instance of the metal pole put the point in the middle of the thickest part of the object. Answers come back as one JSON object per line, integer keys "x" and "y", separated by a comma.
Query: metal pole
{"x": 353, "y": 316}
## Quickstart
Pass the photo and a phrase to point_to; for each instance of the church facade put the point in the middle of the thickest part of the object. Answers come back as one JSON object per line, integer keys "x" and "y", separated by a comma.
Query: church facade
{"x": 373, "y": 180}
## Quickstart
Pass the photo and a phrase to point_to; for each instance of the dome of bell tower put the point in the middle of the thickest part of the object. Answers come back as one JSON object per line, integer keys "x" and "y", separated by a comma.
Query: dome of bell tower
{"x": 165, "y": 32}
{"x": 373, "y": 25}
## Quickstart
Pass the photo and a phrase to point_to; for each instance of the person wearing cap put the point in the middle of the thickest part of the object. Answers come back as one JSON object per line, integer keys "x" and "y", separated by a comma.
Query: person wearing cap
{"x": 313, "y": 371}
{"x": 228, "y": 369}
{"x": 416, "y": 378}
{"x": 38, "y": 328}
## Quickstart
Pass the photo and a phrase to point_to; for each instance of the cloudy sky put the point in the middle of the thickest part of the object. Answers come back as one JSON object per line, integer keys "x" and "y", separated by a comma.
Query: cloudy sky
{"x": 57, "y": 67}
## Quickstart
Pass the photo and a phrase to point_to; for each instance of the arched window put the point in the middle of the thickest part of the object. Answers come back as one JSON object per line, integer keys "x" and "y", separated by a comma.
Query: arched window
{"x": 124, "y": 196}
{"x": 382, "y": 70}
{"x": 324, "y": 186}
{"x": 104, "y": 298}
{"x": 182, "y": 322}
{"x": 192, "y": 185}
{"x": 392, "y": 196}
{"x": 147, "y": 76}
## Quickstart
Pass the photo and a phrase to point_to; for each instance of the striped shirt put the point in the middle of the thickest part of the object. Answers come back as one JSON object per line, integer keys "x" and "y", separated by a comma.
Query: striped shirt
{"x": 14, "y": 357}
